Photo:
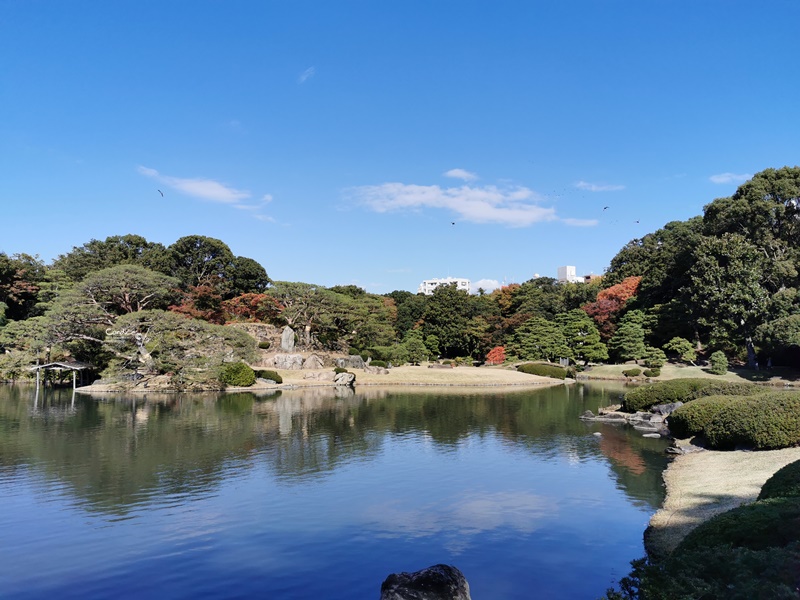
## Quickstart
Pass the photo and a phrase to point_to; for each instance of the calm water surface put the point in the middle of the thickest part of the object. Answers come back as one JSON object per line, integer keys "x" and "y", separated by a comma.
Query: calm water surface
{"x": 310, "y": 494}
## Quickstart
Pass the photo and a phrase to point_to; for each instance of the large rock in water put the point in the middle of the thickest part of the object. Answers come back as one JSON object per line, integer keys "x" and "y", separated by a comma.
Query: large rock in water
{"x": 439, "y": 582}
{"x": 287, "y": 339}
{"x": 344, "y": 379}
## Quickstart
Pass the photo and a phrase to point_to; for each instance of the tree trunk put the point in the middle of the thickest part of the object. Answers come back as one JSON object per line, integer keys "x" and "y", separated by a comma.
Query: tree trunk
{"x": 751, "y": 353}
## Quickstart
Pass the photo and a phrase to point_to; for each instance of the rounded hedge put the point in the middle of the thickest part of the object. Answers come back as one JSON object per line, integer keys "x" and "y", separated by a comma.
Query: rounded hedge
{"x": 766, "y": 421}
{"x": 632, "y": 372}
{"x": 237, "y": 374}
{"x": 684, "y": 390}
{"x": 271, "y": 375}
{"x": 543, "y": 370}
{"x": 784, "y": 483}
{"x": 763, "y": 524}
{"x": 378, "y": 363}
{"x": 651, "y": 372}
{"x": 691, "y": 418}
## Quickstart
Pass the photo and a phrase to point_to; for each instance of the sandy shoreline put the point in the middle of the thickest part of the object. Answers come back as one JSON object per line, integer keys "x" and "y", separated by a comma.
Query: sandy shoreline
{"x": 705, "y": 483}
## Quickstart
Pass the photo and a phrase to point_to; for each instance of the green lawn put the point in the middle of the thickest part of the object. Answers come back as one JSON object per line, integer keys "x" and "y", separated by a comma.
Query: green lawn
{"x": 777, "y": 376}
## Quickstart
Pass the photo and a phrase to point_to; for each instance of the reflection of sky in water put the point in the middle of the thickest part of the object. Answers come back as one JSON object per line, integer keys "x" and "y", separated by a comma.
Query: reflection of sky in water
{"x": 503, "y": 510}
{"x": 461, "y": 518}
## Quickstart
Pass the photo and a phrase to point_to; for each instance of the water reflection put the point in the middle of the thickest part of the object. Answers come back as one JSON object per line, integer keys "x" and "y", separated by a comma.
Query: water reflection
{"x": 116, "y": 451}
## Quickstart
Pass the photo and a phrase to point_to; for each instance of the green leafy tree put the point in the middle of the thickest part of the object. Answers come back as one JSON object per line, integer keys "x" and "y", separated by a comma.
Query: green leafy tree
{"x": 199, "y": 260}
{"x": 415, "y": 346}
{"x": 540, "y": 339}
{"x": 20, "y": 279}
{"x": 127, "y": 288}
{"x": 246, "y": 277}
{"x": 781, "y": 339}
{"x": 581, "y": 336}
{"x": 447, "y": 316}
{"x": 726, "y": 291}
{"x": 627, "y": 342}
{"x": 719, "y": 363}
{"x": 654, "y": 358}
{"x": 683, "y": 348}
{"x": 432, "y": 345}
{"x": 409, "y": 309}
{"x": 96, "y": 255}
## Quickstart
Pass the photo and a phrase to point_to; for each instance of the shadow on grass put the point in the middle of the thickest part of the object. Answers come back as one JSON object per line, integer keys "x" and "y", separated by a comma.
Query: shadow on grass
{"x": 774, "y": 375}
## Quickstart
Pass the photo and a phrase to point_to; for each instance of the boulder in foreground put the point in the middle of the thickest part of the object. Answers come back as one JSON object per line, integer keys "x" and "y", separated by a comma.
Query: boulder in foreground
{"x": 439, "y": 582}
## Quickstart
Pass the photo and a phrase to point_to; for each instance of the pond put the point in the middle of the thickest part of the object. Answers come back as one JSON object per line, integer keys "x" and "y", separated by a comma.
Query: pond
{"x": 319, "y": 494}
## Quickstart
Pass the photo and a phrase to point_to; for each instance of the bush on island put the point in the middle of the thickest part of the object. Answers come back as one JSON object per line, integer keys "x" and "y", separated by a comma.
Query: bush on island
{"x": 270, "y": 375}
{"x": 264, "y": 345}
{"x": 764, "y": 422}
{"x": 544, "y": 370}
{"x": 784, "y": 483}
{"x": 378, "y": 363}
{"x": 651, "y": 372}
{"x": 683, "y": 390}
{"x": 338, "y": 370}
{"x": 632, "y": 372}
{"x": 691, "y": 418}
{"x": 237, "y": 374}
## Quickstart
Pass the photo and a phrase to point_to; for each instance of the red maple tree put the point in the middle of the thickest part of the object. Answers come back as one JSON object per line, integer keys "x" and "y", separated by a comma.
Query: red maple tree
{"x": 496, "y": 356}
{"x": 609, "y": 303}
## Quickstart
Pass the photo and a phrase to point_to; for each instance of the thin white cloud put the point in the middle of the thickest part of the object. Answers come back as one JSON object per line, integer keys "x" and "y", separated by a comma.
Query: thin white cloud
{"x": 461, "y": 174}
{"x": 207, "y": 189}
{"x": 580, "y": 222}
{"x": 511, "y": 206}
{"x": 487, "y": 285}
{"x": 306, "y": 75}
{"x": 598, "y": 187}
{"x": 730, "y": 178}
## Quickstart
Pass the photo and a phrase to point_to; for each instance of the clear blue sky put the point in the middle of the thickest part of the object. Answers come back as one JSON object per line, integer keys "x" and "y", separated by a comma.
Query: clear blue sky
{"x": 337, "y": 141}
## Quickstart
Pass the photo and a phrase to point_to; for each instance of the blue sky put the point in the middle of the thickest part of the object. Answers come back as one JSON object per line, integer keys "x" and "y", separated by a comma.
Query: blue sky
{"x": 382, "y": 143}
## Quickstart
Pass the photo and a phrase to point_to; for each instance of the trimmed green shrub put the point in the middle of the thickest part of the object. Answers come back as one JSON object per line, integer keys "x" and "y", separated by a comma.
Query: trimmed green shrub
{"x": 651, "y": 372}
{"x": 654, "y": 358}
{"x": 715, "y": 572}
{"x": 378, "y": 363}
{"x": 237, "y": 374}
{"x": 264, "y": 345}
{"x": 551, "y": 371}
{"x": 765, "y": 421}
{"x": 684, "y": 390}
{"x": 757, "y": 526}
{"x": 719, "y": 363}
{"x": 338, "y": 370}
{"x": 784, "y": 483}
{"x": 632, "y": 372}
{"x": 271, "y": 375}
{"x": 690, "y": 419}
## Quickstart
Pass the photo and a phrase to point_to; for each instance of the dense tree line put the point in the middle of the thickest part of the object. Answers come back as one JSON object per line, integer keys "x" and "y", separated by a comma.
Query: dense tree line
{"x": 724, "y": 281}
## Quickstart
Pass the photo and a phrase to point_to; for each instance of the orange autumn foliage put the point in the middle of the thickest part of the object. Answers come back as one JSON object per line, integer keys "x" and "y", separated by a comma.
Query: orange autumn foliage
{"x": 496, "y": 356}
{"x": 609, "y": 303}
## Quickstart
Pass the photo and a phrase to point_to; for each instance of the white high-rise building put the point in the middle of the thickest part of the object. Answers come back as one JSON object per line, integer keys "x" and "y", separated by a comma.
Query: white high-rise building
{"x": 427, "y": 286}
{"x": 567, "y": 274}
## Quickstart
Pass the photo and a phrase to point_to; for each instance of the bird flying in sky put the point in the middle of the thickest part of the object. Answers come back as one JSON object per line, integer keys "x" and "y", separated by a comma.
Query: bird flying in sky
{"x": 162, "y": 193}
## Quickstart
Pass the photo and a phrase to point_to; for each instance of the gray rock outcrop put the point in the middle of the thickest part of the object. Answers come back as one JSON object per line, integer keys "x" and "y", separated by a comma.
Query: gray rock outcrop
{"x": 350, "y": 362}
{"x": 439, "y": 582}
{"x": 344, "y": 379}
{"x": 288, "y": 361}
{"x": 313, "y": 362}
{"x": 287, "y": 339}
{"x": 376, "y": 370}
